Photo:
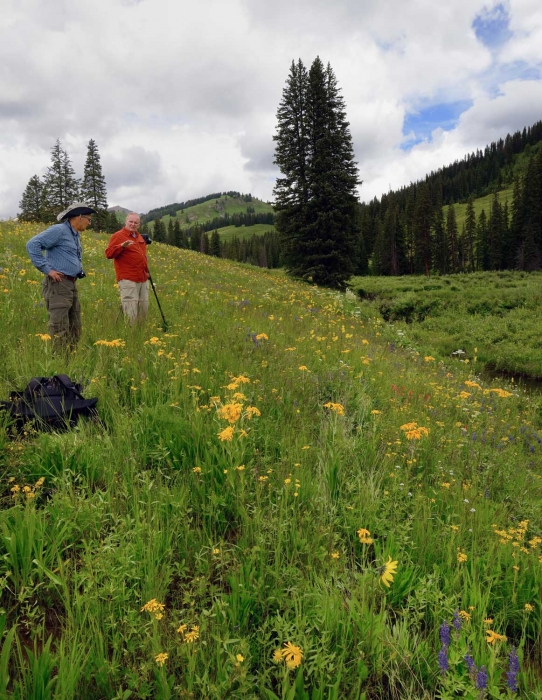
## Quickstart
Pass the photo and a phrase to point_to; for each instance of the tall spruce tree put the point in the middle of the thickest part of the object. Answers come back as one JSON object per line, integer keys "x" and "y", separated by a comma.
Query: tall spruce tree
{"x": 316, "y": 201}
{"x": 495, "y": 234}
{"x": 93, "y": 187}
{"x": 215, "y": 248}
{"x": 159, "y": 231}
{"x": 60, "y": 185}
{"x": 441, "y": 261}
{"x": 482, "y": 247}
{"x": 32, "y": 203}
{"x": 422, "y": 224}
{"x": 469, "y": 237}
{"x": 452, "y": 239}
{"x": 291, "y": 156}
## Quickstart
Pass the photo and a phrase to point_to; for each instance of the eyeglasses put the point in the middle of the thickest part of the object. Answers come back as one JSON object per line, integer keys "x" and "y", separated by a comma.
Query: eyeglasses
{"x": 88, "y": 218}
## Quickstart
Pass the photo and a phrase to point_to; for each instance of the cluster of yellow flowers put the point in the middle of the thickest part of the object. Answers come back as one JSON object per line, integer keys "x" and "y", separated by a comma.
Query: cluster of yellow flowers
{"x": 335, "y": 407}
{"x": 516, "y": 536}
{"x": 413, "y": 431}
{"x": 43, "y": 336}
{"x": 155, "y": 608}
{"x": 117, "y": 343}
{"x": 234, "y": 410}
{"x": 291, "y": 654}
{"x": 161, "y": 659}
{"x": 230, "y": 412}
{"x": 28, "y": 492}
{"x": 493, "y": 637}
{"x": 461, "y": 557}
{"x": 191, "y": 636}
{"x": 364, "y": 536}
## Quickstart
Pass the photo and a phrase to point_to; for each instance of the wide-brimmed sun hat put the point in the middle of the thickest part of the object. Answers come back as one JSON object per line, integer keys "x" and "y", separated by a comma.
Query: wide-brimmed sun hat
{"x": 75, "y": 209}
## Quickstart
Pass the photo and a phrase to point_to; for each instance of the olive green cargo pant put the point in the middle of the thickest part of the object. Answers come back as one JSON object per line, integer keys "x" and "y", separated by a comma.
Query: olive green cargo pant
{"x": 62, "y": 303}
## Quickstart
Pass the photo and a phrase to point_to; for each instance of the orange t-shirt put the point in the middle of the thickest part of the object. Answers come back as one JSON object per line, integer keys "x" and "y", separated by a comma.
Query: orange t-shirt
{"x": 130, "y": 262}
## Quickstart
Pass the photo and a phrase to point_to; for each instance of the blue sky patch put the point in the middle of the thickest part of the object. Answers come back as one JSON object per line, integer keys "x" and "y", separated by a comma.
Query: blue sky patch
{"x": 418, "y": 126}
{"x": 492, "y": 27}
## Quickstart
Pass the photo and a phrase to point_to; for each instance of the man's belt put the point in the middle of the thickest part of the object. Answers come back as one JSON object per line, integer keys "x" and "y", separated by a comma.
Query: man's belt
{"x": 69, "y": 277}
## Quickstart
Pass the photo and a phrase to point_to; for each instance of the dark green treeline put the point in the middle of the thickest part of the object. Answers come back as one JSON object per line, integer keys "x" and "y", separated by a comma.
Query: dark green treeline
{"x": 407, "y": 232}
{"x": 261, "y": 250}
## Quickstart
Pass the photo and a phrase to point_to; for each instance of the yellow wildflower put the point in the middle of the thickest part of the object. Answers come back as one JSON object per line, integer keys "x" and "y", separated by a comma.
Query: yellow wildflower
{"x": 501, "y": 393}
{"x": 336, "y": 407}
{"x": 226, "y": 435}
{"x": 528, "y": 607}
{"x": 388, "y": 571}
{"x": 191, "y": 636}
{"x": 292, "y": 654}
{"x": 230, "y": 412}
{"x": 161, "y": 659}
{"x": 493, "y": 637}
{"x": 461, "y": 557}
{"x": 154, "y": 608}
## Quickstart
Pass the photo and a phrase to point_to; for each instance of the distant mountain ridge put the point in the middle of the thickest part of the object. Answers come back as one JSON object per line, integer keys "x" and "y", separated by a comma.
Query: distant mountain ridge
{"x": 120, "y": 210}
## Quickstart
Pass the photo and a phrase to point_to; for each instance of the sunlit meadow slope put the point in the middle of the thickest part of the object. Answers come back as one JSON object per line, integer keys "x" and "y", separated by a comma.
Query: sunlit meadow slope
{"x": 275, "y": 502}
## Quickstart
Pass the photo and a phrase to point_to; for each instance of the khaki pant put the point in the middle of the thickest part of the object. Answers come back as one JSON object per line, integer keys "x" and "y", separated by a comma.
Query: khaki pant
{"x": 64, "y": 310}
{"x": 135, "y": 299}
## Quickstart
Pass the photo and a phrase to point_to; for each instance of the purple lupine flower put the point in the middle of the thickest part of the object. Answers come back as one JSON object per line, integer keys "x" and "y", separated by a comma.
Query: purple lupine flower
{"x": 481, "y": 678}
{"x": 443, "y": 660}
{"x": 445, "y": 634}
{"x": 512, "y": 680}
{"x": 457, "y": 620}
{"x": 470, "y": 662}
{"x": 471, "y": 666}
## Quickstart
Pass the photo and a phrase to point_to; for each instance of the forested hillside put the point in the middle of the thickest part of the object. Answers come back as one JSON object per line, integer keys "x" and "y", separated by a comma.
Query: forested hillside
{"x": 229, "y": 225}
{"x": 411, "y": 230}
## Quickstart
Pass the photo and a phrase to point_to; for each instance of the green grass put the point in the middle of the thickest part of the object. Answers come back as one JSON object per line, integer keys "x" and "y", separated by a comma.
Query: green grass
{"x": 201, "y": 213}
{"x": 492, "y": 316}
{"x": 482, "y": 203}
{"x": 229, "y": 232}
{"x": 254, "y": 541}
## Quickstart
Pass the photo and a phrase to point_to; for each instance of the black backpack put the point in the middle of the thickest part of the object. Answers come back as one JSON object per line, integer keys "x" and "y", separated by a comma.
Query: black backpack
{"x": 54, "y": 402}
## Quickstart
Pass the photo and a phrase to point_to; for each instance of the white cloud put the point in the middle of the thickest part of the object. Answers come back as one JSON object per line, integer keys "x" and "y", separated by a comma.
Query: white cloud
{"x": 181, "y": 97}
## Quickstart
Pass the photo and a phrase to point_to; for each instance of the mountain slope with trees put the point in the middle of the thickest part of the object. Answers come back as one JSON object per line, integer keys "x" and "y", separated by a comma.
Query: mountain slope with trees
{"x": 419, "y": 229}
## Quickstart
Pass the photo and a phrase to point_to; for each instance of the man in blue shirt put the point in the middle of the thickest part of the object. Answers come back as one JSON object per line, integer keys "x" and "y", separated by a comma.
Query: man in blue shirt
{"x": 57, "y": 253}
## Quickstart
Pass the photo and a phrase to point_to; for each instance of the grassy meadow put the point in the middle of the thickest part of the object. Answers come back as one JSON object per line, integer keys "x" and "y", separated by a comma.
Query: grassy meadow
{"x": 278, "y": 501}
{"x": 229, "y": 232}
{"x": 493, "y": 317}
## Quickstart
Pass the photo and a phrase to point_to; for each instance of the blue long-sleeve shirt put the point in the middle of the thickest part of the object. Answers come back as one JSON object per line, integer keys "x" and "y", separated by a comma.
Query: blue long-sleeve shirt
{"x": 62, "y": 247}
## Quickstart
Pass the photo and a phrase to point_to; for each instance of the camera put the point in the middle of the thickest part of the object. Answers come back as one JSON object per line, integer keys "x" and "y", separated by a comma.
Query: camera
{"x": 146, "y": 238}
{"x": 81, "y": 274}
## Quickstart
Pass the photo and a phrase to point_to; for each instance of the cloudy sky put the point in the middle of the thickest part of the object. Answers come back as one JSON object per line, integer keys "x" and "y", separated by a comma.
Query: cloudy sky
{"x": 181, "y": 96}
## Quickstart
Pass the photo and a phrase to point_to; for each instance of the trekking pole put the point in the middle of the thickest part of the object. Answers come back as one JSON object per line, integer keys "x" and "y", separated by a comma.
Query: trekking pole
{"x": 165, "y": 325}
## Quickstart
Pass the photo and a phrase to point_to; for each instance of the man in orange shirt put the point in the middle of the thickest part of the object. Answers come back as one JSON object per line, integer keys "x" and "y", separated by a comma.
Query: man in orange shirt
{"x": 128, "y": 250}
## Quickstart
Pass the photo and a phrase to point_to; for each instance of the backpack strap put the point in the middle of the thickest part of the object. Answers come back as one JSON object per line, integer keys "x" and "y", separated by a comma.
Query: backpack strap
{"x": 68, "y": 384}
